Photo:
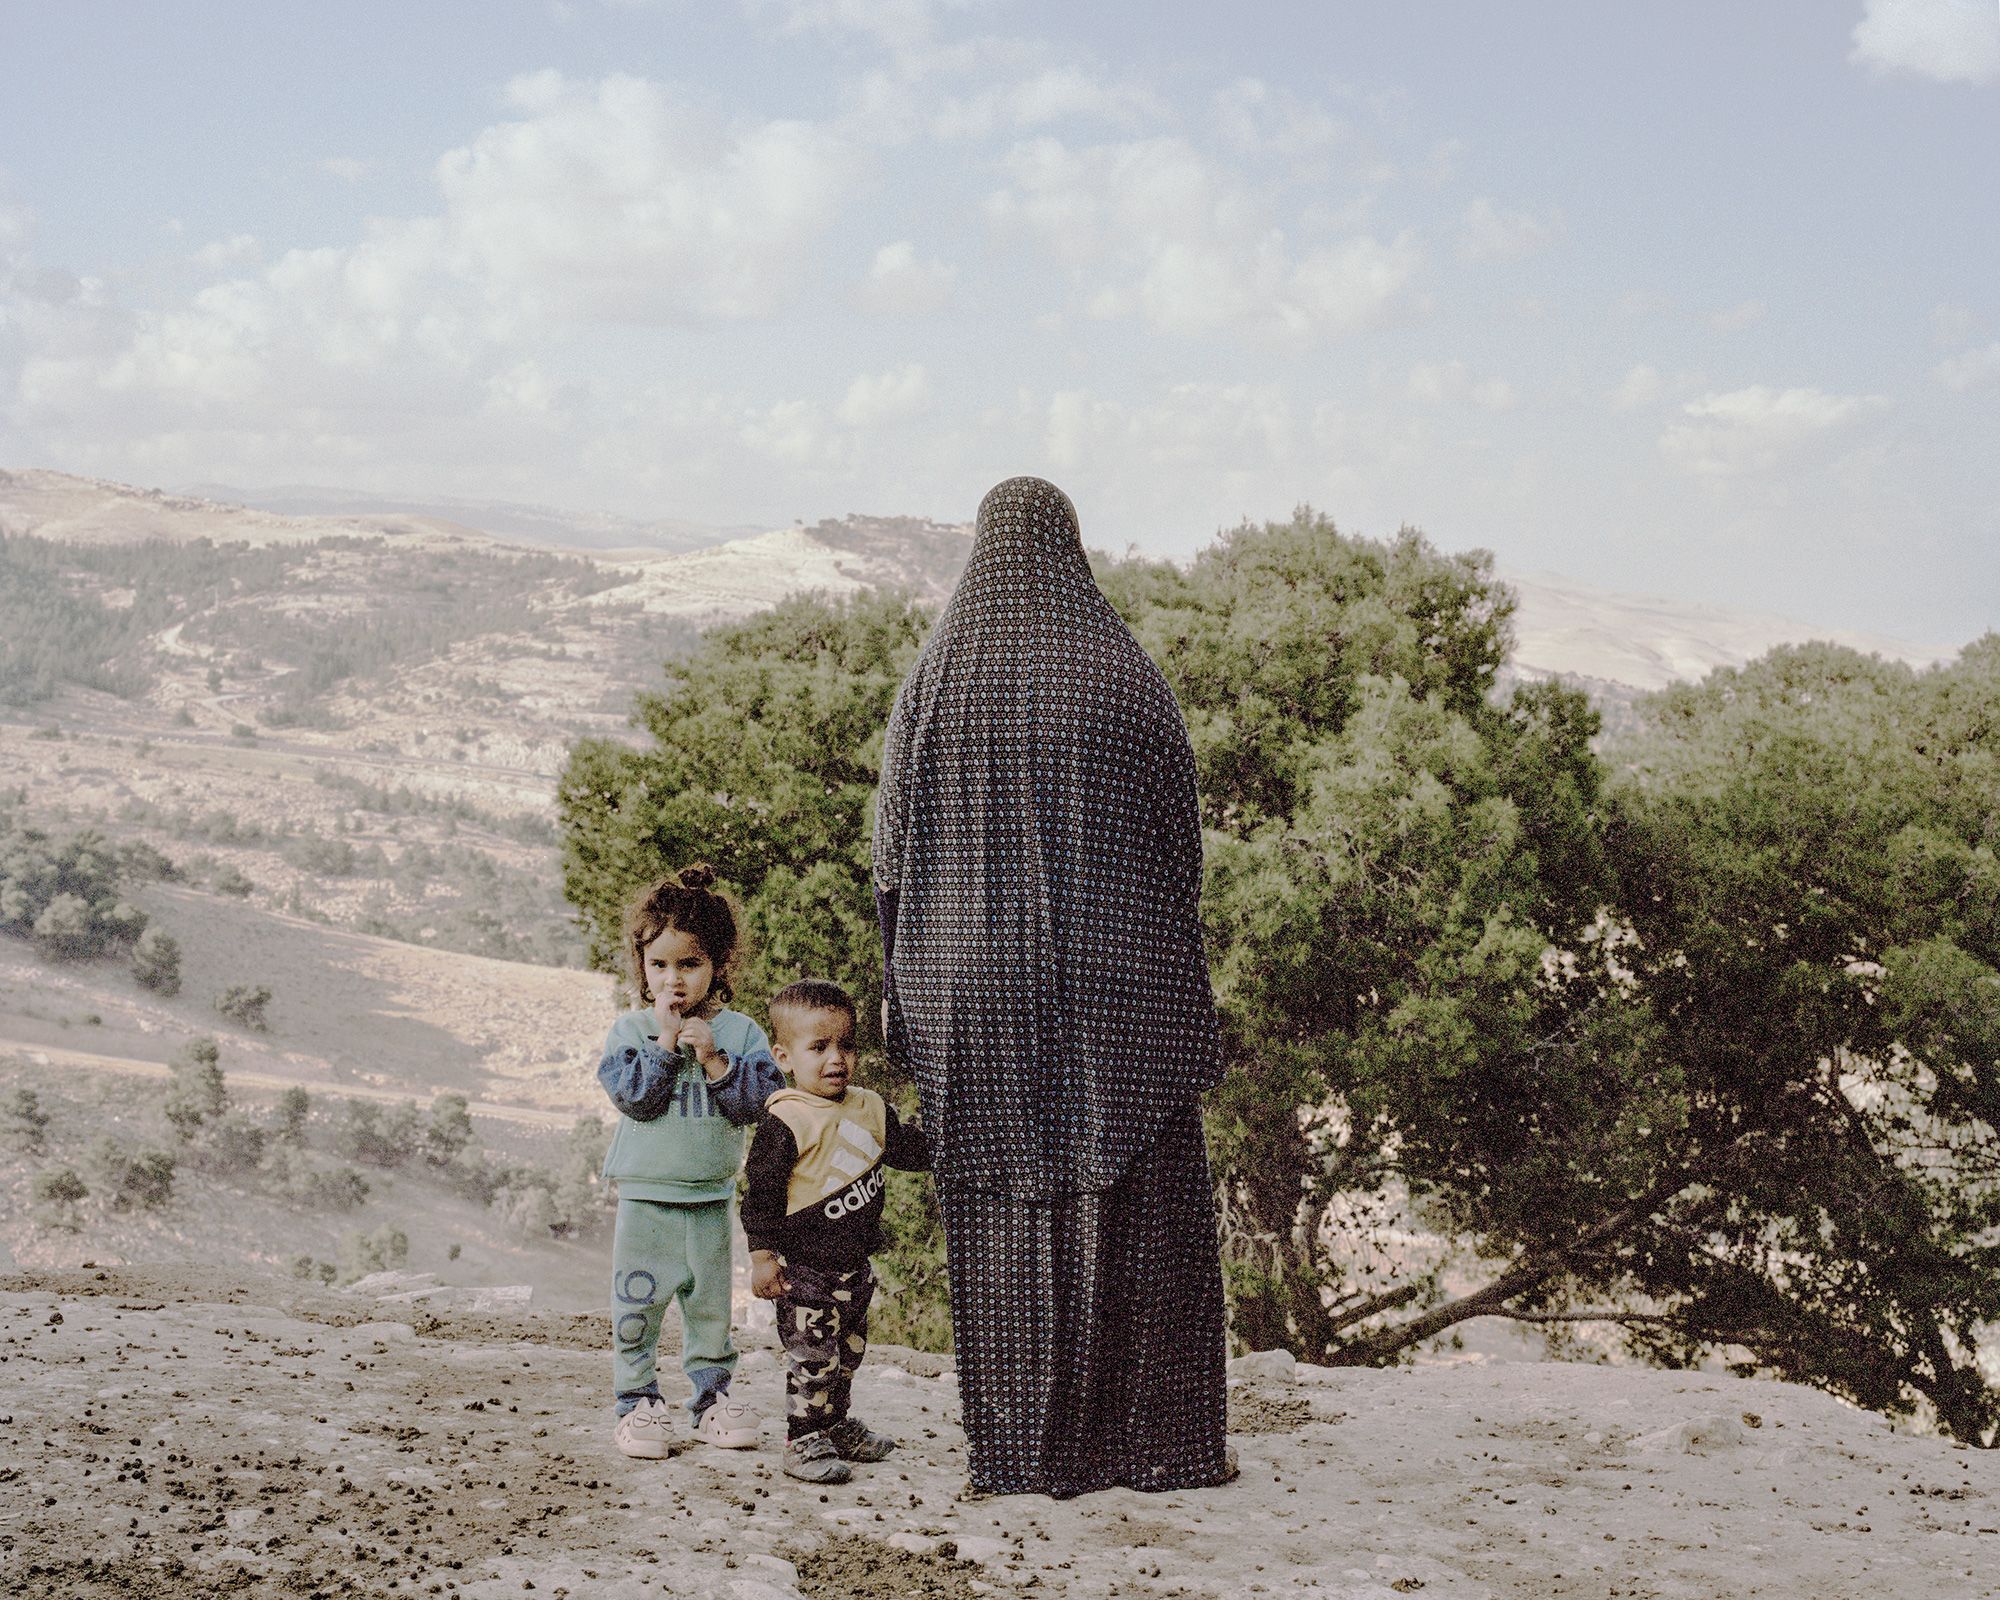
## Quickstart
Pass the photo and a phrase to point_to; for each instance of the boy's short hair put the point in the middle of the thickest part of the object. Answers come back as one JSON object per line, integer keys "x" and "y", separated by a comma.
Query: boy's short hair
{"x": 811, "y": 994}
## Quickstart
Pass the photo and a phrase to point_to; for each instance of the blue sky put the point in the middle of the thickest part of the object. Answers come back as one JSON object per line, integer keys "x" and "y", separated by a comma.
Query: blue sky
{"x": 1697, "y": 300}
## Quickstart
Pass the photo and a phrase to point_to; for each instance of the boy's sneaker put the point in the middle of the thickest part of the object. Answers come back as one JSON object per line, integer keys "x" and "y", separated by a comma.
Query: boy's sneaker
{"x": 813, "y": 1458}
{"x": 646, "y": 1431}
{"x": 854, "y": 1440}
{"x": 728, "y": 1423}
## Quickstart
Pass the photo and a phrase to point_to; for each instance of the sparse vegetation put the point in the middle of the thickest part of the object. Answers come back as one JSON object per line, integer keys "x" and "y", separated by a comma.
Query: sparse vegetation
{"x": 384, "y": 1250}
{"x": 156, "y": 962}
{"x": 126, "y": 1178}
{"x": 312, "y": 1182}
{"x": 305, "y": 1267}
{"x": 196, "y": 1091}
{"x": 23, "y": 1122}
{"x": 246, "y": 1004}
{"x": 65, "y": 893}
{"x": 294, "y": 1111}
{"x": 58, "y": 1199}
{"x": 378, "y": 1138}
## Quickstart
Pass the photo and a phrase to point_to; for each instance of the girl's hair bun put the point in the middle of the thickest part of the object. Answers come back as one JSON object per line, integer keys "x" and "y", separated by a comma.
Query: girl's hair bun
{"x": 699, "y": 876}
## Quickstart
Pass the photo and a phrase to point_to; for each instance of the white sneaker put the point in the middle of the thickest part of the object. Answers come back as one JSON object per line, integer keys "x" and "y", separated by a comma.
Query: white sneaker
{"x": 728, "y": 1423}
{"x": 647, "y": 1431}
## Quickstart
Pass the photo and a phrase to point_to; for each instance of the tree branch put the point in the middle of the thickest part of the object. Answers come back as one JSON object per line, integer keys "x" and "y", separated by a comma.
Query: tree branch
{"x": 1531, "y": 1272}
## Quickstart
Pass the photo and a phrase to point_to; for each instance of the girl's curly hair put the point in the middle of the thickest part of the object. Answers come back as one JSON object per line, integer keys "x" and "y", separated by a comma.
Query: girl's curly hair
{"x": 689, "y": 902}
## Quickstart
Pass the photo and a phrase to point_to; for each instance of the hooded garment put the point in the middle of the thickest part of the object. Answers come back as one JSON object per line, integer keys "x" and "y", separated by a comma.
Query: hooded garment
{"x": 1038, "y": 844}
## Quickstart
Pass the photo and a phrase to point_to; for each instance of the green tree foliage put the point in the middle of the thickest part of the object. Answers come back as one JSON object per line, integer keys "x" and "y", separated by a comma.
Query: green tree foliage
{"x": 765, "y": 750}
{"x": 1389, "y": 853}
{"x": 156, "y": 961}
{"x": 1807, "y": 849}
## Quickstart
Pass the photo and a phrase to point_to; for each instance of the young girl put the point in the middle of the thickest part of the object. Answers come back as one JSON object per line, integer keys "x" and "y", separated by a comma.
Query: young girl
{"x": 686, "y": 1076}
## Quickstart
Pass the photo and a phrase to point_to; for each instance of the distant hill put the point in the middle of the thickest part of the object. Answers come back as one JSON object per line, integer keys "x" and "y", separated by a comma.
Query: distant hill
{"x": 503, "y": 519}
{"x": 1618, "y": 645}
{"x": 1567, "y": 629}
{"x": 73, "y": 510}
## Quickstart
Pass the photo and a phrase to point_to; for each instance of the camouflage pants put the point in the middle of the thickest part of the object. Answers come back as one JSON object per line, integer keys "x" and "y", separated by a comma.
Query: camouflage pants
{"x": 823, "y": 1323}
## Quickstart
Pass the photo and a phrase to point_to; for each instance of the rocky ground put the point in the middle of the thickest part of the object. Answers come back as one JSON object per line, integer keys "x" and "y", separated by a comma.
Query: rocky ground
{"x": 181, "y": 1432}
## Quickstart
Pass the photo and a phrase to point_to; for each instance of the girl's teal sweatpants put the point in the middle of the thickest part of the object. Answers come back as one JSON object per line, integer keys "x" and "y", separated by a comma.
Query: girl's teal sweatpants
{"x": 664, "y": 1252}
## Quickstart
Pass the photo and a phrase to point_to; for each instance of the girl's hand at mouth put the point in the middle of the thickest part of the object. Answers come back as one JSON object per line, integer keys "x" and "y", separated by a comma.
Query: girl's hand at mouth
{"x": 695, "y": 1032}
{"x": 667, "y": 1013}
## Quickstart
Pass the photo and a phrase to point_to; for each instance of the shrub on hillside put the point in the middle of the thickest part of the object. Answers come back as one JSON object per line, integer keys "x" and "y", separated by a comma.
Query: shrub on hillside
{"x": 230, "y": 1144}
{"x": 379, "y": 1138}
{"x": 304, "y": 1266}
{"x": 127, "y": 1178}
{"x": 229, "y": 879}
{"x": 23, "y": 1121}
{"x": 245, "y": 1003}
{"x": 384, "y": 1250}
{"x": 312, "y": 1182}
{"x": 156, "y": 962}
{"x": 195, "y": 1087}
{"x": 64, "y": 893}
{"x": 449, "y": 1132}
{"x": 294, "y": 1107}
{"x": 58, "y": 1197}
{"x": 326, "y": 858}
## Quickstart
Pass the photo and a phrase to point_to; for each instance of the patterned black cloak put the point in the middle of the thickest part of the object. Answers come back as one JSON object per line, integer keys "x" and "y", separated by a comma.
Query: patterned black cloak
{"x": 1038, "y": 861}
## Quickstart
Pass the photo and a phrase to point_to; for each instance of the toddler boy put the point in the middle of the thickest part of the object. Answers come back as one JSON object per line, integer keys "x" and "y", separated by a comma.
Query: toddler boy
{"x": 813, "y": 1215}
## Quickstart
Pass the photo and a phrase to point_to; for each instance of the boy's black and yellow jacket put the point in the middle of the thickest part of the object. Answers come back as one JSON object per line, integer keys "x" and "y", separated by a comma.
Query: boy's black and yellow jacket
{"x": 816, "y": 1175}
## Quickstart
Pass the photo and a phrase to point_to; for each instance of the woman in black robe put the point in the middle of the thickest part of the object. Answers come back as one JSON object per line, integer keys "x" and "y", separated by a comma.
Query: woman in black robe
{"x": 1037, "y": 860}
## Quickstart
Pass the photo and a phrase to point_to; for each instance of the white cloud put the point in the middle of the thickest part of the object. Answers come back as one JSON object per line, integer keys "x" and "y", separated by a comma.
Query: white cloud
{"x": 1486, "y": 233}
{"x": 1733, "y": 319}
{"x": 1260, "y": 122}
{"x": 230, "y": 252}
{"x": 1952, "y": 41}
{"x": 614, "y": 201}
{"x": 1188, "y": 427}
{"x": 881, "y": 397}
{"x": 793, "y": 431}
{"x": 1969, "y": 369}
{"x": 1759, "y": 428}
{"x": 1053, "y": 95}
{"x": 898, "y": 284}
{"x": 346, "y": 168}
{"x": 1253, "y": 118}
{"x": 1154, "y": 229}
{"x": 1450, "y": 383}
{"x": 1639, "y": 387}
{"x": 608, "y": 203}
{"x": 900, "y": 25}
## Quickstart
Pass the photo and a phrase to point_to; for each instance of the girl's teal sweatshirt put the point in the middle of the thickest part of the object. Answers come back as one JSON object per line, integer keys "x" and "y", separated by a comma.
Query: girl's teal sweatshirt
{"x": 679, "y": 1137}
